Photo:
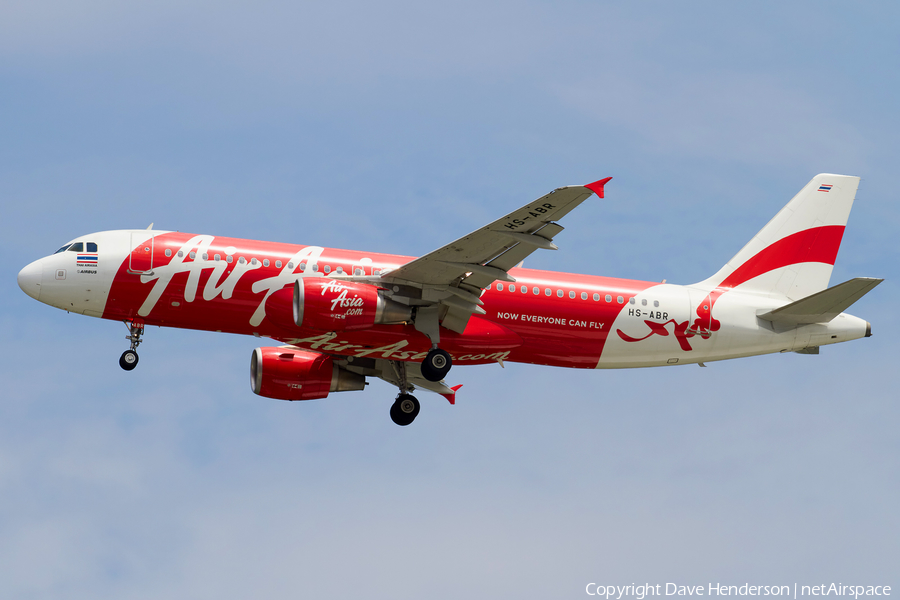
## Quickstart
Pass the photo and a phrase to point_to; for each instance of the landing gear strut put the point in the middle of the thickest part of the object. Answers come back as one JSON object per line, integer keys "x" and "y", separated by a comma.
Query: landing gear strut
{"x": 405, "y": 407}
{"x": 129, "y": 358}
{"x": 436, "y": 364}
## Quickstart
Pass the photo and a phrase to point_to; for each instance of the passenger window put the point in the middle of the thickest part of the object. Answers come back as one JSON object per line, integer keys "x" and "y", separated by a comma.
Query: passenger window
{"x": 524, "y": 289}
{"x": 340, "y": 270}
{"x": 205, "y": 256}
{"x": 499, "y": 287}
{"x": 265, "y": 262}
{"x": 91, "y": 247}
{"x": 608, "y": 298}
{"x": 548, "y": 292}
{"x": 631, "y": 300}
{"x": 644, "y": 302}
{"x": 572, "y": 294}
{"x": 656, "y": 303}
{"x": 193, "y": 255}
{"x": 620, "y": 299}
{"x": 217, "y": 257}
{"x": 302, "y": 267}
{"x": 277, "y": 264}
{"x": 559, "y": 293}
{"x": 315, "y": 268}
{"x": 168, "y": 252}
{"x": 328, "y": 268}
{"x": 596, "y": 297}
{"x": 229, "y": 259}
{"x": 536, "y": 291}
{"x": 76, "y": 247}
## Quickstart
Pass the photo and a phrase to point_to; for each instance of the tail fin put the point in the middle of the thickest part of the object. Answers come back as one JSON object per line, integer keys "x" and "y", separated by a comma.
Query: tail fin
{"x": 794, "y": 254}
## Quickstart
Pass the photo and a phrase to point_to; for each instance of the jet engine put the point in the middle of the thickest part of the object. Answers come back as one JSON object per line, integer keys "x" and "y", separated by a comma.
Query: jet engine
{"x": 288, "y": 374}
{"x": 329, "y": 304}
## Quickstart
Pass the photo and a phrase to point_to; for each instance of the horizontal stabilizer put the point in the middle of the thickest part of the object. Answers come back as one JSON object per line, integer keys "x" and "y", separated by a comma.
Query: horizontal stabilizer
{"x": 823, "y": 306}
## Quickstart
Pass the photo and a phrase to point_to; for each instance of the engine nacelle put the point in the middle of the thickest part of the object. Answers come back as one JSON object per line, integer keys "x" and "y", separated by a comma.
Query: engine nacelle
{"x": 288, "y": 374}
{"x": 329, "y": 304}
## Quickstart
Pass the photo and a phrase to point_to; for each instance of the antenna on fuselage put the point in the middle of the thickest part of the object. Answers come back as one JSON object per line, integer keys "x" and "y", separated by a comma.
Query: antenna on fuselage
{"x": 149, "y": 227}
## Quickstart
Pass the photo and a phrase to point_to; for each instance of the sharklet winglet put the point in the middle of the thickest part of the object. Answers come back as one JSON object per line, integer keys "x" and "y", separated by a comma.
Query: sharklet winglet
{"x": 597, "y": 186}
{"x": 451, "y": 398}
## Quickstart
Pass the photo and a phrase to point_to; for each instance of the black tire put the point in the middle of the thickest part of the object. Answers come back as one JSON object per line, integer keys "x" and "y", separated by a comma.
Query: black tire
{"x": 404, "y": 410}
{"x": 436, "y": 365}
{"x": 396, "y": 417}
{"x": 128, "y": 360}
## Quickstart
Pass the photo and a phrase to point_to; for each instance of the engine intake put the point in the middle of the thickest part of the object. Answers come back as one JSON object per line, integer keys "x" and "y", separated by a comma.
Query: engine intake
{"x": 288, "y": 374}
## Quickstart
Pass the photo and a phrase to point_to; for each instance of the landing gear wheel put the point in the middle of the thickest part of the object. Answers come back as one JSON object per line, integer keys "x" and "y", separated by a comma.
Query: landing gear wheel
{"x": 128, "y": 360}
{"x": 436, "y": 365}
{"x": 404, "y": 410}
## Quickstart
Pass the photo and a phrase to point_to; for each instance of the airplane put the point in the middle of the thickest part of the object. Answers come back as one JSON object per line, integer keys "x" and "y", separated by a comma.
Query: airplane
{"x": 342, "y": 316}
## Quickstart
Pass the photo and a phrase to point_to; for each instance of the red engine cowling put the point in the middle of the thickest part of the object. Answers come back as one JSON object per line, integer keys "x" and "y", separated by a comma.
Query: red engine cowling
{"x": 288, "y": 374}
{"x": 333, "y": 305}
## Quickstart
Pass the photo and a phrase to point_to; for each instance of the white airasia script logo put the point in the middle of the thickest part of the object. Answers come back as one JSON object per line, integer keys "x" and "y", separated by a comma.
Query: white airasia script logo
{"x": 215, "y": 286}
{"x": 342, "y": 300}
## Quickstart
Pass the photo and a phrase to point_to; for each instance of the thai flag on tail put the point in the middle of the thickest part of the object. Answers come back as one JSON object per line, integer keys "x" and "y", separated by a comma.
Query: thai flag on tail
{"x": 825, "y": 187}
{"x": 87, "y": 258}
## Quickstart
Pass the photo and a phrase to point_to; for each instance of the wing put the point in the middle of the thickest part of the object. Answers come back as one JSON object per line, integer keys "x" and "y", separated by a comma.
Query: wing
{"x": 447, "y": 283}
{"x": 486, "y": 254}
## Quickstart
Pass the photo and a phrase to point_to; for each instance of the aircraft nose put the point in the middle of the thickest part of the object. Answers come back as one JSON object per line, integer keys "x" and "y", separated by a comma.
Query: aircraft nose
{"x": 30, "y": 279}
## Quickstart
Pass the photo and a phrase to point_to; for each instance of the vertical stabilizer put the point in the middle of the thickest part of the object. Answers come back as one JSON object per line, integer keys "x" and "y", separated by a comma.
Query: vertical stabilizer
{"x": 794, "y": 254}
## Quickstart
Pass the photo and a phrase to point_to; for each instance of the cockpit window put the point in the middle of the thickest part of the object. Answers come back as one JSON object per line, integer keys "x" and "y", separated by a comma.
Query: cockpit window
{"x": 91, "y": 246}
{"x": 77, "y": 247}
{"x": 63, "y": 249}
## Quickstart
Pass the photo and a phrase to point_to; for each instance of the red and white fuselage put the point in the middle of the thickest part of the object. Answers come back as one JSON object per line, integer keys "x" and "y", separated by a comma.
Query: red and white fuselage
{"x": 549, "y": 318}
{"x": 356, "y": 305}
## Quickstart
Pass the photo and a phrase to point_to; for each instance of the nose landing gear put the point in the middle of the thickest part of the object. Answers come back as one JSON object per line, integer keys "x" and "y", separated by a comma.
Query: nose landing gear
{"x": 129, "y": 358}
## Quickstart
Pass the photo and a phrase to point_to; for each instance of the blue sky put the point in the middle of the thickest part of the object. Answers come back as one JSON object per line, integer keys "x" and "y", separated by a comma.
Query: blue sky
{"x": 397, "y": 127}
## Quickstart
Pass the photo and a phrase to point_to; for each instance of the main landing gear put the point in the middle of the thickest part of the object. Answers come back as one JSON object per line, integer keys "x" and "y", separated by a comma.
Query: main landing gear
{"x": 129, "y": 358}
{"x": 405, "y": 407}
{"x": 434, "y": 368}
{"x": 404, "y": 410}
{"x": 436, "y": 364}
